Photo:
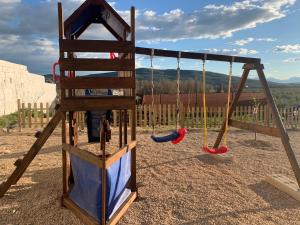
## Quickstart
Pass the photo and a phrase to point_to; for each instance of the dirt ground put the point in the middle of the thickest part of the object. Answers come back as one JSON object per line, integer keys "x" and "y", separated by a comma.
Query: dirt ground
{"x": 177, "y": 184}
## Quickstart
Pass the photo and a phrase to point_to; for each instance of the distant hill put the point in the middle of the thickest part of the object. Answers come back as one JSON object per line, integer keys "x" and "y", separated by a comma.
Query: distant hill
{"x": 212, "y": 78}
{"x": 292, "y": 80}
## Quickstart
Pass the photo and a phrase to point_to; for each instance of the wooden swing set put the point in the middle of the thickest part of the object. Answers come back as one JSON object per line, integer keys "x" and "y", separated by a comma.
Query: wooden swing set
{"x": 99, "y": 11}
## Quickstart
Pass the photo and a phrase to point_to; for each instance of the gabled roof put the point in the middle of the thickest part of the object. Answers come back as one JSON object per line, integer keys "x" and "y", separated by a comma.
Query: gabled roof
{"x": 95, "y": 11}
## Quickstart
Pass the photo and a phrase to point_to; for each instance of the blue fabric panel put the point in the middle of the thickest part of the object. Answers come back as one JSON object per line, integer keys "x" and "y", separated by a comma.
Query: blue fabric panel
{"x": 87, "y": 189}
{"x": 174, "y": 135}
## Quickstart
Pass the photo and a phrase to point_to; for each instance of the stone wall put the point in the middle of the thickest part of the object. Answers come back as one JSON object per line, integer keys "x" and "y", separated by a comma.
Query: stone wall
{"x": 17, "y": 83}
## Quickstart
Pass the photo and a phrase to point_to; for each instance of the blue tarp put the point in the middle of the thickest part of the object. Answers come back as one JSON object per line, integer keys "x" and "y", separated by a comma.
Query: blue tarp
{"x": 87, "y": 189}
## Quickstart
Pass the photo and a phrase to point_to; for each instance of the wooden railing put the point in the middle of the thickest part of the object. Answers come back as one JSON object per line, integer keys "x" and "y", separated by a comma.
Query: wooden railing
{"x": 38, "y": 115}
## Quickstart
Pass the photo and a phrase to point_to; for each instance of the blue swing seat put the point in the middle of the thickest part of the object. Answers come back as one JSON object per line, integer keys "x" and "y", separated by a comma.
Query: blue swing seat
{"x": 171, "y": 137}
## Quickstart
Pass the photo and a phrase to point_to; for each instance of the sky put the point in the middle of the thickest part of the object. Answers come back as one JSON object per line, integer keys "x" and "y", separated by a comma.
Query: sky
{"x": 266, "y": 29}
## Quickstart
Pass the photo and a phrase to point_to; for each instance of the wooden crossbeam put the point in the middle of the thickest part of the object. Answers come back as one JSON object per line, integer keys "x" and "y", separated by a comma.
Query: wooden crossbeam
{"x": 81, "y": 64}
{"x": 271, "y": 131}
{"x": 117, "y": 155}
{"x": 36, "y": 147}
{"x": 97, "y": 103}
{"x": 98, "y": 83}
{"x": 68, "y": 45}
{"x": 85, "y": 155}
{"x": 196, "y": 55}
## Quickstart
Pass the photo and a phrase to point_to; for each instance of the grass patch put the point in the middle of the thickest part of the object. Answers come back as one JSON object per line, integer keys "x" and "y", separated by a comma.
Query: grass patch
{"x": 10, "y": 119}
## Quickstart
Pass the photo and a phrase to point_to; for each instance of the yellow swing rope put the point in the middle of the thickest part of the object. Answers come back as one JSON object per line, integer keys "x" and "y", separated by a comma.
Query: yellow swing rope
{"x": 204, "y": 100}
{"x": 228, "y": 102}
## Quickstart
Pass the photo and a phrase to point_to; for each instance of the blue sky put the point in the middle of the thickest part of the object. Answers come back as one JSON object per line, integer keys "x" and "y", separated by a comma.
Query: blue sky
{"x": 268, "y": 29}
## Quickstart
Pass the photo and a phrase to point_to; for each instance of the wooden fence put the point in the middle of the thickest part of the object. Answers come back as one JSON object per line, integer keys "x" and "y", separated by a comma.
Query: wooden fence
{"x": 38, "y": 115}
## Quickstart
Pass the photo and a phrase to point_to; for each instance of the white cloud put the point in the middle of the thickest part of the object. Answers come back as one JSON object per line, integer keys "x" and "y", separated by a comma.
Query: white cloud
{"x": 213, "y": 21}
{"x": 292, "y": 60}
{"x": 288, "y": 48}
{"x": 27, "y": 37}
{"x": 240, "y": 51}
{"x": 246, "y": 41}
{"x": 243, "y": 42}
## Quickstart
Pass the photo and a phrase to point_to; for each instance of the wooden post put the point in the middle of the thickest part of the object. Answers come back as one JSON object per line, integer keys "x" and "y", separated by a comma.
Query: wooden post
{"x": 47, "y": 112}
{"x": 63, "y": 93}
{"x": 42, "y": 114}
{"x": 145, "y": 115}
{"x": 35, "y": 114}
{"x": 279, "y": 124}
{"x": 19, "y": 115}
{"x": 133, "y": 121}
{"x": 197, "y": 117}
{"x": 23, "y": 115}
{"x": 234, "y": 103}
{"x": 169, "y": 115}
{"x": 29, "y": 115}
{"x": 193, "y": 117}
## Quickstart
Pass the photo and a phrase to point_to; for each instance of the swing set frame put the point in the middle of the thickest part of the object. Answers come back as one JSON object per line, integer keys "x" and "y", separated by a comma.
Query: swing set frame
{"x": 250, "y": 64}
{"x": 125, "y": 64}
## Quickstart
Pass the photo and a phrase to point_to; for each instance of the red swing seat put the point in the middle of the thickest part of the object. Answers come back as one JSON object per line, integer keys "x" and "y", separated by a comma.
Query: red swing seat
{"x": 221, "y": 150}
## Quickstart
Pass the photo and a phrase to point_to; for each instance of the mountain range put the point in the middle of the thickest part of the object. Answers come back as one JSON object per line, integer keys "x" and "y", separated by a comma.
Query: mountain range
{"x": 212, "y": 78}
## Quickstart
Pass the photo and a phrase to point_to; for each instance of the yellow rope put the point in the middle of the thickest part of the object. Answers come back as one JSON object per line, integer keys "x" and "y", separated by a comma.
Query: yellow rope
{"x": 204, "y": 102}
{"x": 228, "y": 102}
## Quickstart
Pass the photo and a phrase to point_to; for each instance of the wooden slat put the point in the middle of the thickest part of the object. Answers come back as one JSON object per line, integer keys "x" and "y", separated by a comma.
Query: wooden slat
{"x": 97, "y": 103}
{"x": 145, "y": 115}
{"x": 29, "y": 115}
{"x": 284, "y": 184}
{"x": 117, "y": 155}
{"x": 68, "y": 45}
{"x": 80, "y": 64}
{"x": 255, "y": 128}
{"x": 42, "y": 114}
{"x": 80, "y": 213}
{"x": 85, "y": 155}
{"x": 169, "y": 115}
{"x": 98, "y": 83}
{"x": 19, "y": 115}
{"x": 196, "y": 55}
{"x": 23, "y": 115}
{"x": 122, "y": 210}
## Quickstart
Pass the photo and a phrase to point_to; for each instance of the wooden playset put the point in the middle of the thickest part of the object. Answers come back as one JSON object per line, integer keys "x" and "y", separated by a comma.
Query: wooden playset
{"x": 99, "y": 188}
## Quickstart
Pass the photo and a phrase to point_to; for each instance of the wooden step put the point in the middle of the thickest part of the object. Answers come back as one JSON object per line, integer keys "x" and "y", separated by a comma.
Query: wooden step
{"x": 97, "y": 103}
{"x": 80, "y": 64}
{"x": 285, "y": 184}
{"x": 98, "y": 83}
{"x": 67, "y": 45}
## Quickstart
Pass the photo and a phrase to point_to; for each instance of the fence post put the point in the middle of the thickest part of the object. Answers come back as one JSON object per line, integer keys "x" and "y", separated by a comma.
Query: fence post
{"x": 35, "y": 114}
{"x": 48, "y": 113}
{"x": 169, "y": 114}
{"x": 23, "y": 115}
{"x": 145, "y": 107}
{"x": 42, "y": 114}
{"x": 19, "y": 115}
{"x": 29, "y": 115}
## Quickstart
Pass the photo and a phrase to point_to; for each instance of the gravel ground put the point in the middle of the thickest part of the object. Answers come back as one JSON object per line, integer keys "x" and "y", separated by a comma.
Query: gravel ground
{"x": 177, "y": 184}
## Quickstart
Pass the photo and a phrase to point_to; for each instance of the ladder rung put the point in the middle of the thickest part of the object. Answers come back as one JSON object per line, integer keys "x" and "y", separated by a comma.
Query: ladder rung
{"x": 97, "y": 103}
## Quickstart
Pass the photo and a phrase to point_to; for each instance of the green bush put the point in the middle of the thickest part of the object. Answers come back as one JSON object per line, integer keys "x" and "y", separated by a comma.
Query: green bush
{"x": 7, "y": 120}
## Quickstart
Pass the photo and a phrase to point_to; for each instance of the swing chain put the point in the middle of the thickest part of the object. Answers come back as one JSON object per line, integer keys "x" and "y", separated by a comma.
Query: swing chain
{"x": 178, "y": 90}
{"x": 228, "y": 101}
{"x": 152, "y": 88}
{"x": 204, "y": 99}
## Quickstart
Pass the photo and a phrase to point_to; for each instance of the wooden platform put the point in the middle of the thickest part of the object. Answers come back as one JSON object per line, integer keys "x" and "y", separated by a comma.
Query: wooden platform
{"x": 87, "y": 219}
{"x": 285, "y": 184}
